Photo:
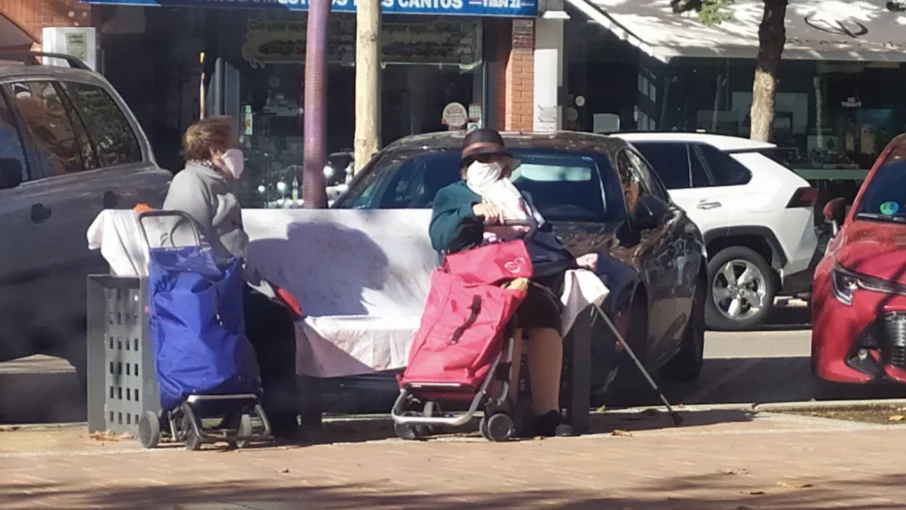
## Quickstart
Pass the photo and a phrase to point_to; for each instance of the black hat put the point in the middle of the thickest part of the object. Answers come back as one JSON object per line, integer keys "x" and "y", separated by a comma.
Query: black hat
{"x": 483, "y": 141}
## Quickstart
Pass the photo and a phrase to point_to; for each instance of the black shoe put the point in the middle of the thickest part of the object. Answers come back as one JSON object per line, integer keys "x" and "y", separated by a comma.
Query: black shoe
{"x": 553, "y": 425}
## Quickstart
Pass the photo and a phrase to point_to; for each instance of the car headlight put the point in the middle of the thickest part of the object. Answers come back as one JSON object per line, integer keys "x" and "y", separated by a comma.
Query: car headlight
{"x": 844, "y": 285}
{"x": 845, "y": 282}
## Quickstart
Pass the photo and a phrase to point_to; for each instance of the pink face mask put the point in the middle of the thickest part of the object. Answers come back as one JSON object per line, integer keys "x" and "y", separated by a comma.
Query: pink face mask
{"x": 233, "y": 163}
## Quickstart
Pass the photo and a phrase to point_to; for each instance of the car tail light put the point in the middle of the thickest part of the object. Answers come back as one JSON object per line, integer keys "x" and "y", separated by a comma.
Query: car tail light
{"x": 803, "y": 197}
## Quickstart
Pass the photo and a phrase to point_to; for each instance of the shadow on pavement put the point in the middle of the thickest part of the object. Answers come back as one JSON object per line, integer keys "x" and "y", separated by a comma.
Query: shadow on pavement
{"x": 704, "y": 492}
{"x": 788, "y": 318}
{"x": 380, "y": 427}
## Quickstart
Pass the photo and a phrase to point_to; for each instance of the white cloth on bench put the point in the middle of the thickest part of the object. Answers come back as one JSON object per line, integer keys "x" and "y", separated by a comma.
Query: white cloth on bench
{"x": 118, "y": 235}
{"x": 362, "y": 278}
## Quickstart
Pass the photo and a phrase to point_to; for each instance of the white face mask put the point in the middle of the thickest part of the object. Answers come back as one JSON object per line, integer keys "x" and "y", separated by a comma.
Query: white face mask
{"x": 479, "y": 175}
{"x": 233, "y": 163}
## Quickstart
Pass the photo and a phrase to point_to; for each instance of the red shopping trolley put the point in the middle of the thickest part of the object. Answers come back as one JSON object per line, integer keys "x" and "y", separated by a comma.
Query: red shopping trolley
{"x": 463, "y": 349}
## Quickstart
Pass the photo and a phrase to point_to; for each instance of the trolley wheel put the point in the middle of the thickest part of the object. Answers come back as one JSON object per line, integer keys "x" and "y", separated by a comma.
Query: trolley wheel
{"x": 498, "y": 428}
{"x": 407, "y": 431}
{"x": 192, "y": 441}
{"x": 243, "y": 427}
{"x": 149, "y": 429}
{"x": 432, "y": 409}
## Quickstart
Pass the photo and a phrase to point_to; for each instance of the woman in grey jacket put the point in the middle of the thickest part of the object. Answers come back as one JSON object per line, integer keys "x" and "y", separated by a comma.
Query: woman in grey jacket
{"x": 204, "y": 191}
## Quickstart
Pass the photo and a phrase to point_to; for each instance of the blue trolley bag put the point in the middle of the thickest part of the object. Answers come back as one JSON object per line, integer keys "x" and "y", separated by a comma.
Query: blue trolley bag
{"x": 195, "y": 316}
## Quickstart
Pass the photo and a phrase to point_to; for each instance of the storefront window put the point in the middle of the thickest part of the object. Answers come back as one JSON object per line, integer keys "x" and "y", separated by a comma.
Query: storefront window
{"x": 428, "y": 62}
{"x": 830, "y": 116}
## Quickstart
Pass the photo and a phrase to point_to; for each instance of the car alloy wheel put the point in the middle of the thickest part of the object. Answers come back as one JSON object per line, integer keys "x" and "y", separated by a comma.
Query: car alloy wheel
{"x": 739, "y": 290}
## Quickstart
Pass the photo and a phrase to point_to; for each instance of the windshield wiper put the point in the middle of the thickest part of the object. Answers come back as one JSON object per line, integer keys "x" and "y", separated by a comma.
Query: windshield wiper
{"x": 880, "y": 217}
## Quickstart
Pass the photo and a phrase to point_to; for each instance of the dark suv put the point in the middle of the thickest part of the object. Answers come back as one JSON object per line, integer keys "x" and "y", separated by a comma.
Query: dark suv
{"x": 69, "y": 148}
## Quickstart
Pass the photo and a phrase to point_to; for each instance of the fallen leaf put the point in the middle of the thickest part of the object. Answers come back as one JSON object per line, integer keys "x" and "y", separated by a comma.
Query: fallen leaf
{"x": 896, "y": 417}
{"x": 621, "y": 433}
{"x": 601, "y": 410}
{"x": 755, "y": 493}
{"x": 793, "y": 484}
{"x": 284, "y": 470}
{"x": 108, "y": 435}
{"x": 734, "y": 471}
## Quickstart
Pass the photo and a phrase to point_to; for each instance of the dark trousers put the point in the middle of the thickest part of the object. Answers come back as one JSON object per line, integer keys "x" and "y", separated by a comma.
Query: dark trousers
{"x": 270, "y": 330}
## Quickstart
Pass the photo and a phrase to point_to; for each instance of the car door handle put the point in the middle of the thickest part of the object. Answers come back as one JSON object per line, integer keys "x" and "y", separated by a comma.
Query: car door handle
{"x": 709, "y": 205}
{"x": 39, "y": 213}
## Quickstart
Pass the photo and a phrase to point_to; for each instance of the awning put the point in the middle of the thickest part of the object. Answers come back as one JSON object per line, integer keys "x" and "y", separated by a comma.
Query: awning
{"x": 13, "y": 36}
{"x": 856, "y": 30}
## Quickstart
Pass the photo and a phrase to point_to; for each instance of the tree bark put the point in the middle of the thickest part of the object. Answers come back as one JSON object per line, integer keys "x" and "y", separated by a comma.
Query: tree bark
{"x": 771, "y": 39}
{"x": 367, "y": 81}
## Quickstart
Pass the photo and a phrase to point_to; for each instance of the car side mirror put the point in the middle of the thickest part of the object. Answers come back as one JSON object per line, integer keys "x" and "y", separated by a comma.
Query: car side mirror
{"x": 10, "y": 173}
{"x": 648, "y": 212}
{"x": 835, "y": 213}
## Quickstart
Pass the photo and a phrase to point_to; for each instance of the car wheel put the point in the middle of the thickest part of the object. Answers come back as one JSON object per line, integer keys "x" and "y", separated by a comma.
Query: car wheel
{"x": 627, "y": 388}
{"x": 687, "y": 364}
{"x": 741, "y": 289}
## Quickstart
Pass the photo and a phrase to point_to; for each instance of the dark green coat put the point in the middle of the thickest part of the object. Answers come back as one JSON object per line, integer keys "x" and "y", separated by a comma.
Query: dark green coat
{"x": 454, "y": 227}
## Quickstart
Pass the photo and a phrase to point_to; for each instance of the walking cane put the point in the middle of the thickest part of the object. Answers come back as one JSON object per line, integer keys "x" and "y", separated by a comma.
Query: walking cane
{"x": 677, "y": 419}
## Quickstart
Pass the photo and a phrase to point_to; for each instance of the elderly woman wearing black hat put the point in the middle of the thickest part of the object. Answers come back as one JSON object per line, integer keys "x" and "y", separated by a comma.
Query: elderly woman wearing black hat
{"x": 472, "y": 211}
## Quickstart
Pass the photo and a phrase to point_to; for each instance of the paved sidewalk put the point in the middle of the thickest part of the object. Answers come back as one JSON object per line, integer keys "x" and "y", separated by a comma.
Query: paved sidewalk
{"x": 726, "y": 460}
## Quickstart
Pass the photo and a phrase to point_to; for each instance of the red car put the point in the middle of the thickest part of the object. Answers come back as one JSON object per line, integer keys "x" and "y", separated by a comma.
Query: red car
{"x": 859, "y": 292}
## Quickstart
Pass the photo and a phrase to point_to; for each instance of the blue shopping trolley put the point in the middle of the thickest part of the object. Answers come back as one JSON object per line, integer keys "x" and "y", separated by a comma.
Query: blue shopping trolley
{"x": 206, "y": 368}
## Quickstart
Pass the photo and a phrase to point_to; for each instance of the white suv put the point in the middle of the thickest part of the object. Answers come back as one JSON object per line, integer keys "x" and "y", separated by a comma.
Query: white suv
{"x": 756, "y": 215}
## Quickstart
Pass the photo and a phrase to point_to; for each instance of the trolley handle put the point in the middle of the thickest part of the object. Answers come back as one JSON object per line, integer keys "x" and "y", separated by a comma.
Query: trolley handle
{"x": 530, "y": 223}
{"x": 163, "y": 214}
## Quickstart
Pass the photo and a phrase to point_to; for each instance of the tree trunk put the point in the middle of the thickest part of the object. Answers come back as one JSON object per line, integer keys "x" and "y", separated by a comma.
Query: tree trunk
{"x": 771, "y": 39}
{"x": 367, "y": 81}
{"x": 314, "y": 191}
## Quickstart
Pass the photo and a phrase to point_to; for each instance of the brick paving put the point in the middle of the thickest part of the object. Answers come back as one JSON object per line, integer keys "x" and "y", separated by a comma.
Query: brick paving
{"x": 719, "y": 459}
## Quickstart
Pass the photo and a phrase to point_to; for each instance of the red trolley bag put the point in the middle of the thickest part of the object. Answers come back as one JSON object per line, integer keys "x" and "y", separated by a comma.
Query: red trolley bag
{"x": 468, "y": 307}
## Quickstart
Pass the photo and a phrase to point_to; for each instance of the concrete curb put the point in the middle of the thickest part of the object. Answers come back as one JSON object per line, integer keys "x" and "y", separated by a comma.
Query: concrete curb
{"x": 827, "y": 404}
{"x": 774, "y": 407}
{"x": 41, "y": 426}
{"x": 681, "y": 408}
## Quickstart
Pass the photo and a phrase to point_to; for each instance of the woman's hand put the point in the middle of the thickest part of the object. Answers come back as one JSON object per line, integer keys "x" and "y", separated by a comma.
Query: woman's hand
{"x": 488, "y": 212}
{"x": 588, "y": 261}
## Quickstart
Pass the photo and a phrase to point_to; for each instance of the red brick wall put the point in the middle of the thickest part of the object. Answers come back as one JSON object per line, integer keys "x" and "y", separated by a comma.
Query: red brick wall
{"x": 34, "y": 15}
{"x": 515, "y": 84}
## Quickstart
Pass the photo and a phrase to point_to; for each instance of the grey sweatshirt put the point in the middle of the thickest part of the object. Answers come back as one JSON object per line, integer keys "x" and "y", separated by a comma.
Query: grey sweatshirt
{"x": 206, "y": 196}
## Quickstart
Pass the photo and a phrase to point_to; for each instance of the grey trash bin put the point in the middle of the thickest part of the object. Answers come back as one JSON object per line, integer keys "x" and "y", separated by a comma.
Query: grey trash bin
{"x": 122, "y": 382}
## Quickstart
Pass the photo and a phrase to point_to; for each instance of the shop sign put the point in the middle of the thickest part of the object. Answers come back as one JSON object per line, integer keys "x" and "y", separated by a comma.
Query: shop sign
{"x": 851, "y": 102}
{"x": 455, "y": 116}
{"x": 475, "y": 112}
{"x": 273, "y": 38}
{"x": 508, "y": 8}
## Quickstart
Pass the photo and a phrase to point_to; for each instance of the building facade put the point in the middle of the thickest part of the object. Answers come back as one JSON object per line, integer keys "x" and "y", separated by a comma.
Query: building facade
{"x": 446, "y": 64}
{"x": 637, "y": 66}
{"x": 22, "y": 22}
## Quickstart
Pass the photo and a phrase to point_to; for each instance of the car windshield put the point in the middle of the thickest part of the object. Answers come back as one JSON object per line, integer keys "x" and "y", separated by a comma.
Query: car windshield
{"x": 884, "y": 198}
{"x": 563, "y": 185}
